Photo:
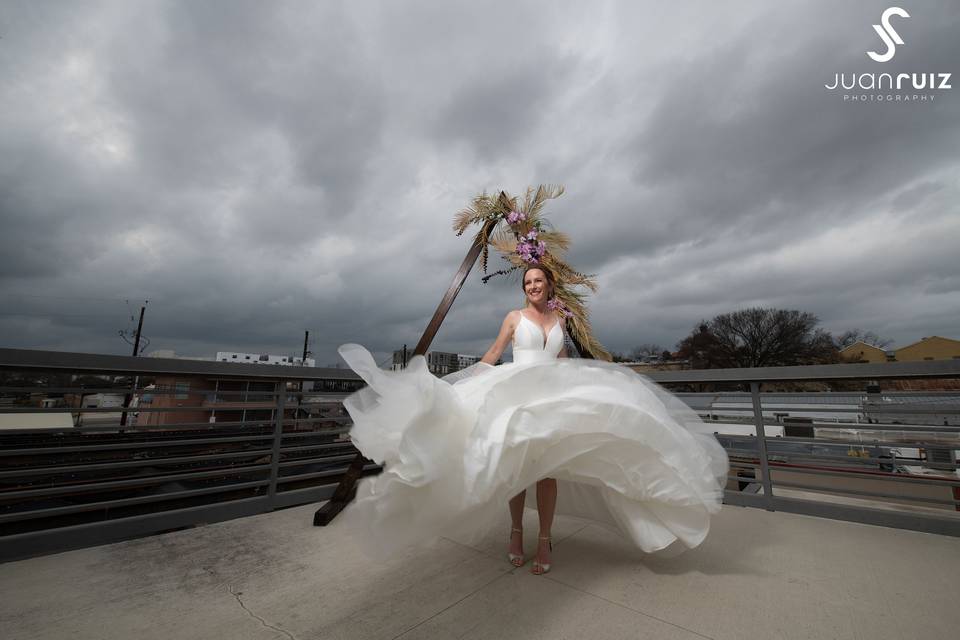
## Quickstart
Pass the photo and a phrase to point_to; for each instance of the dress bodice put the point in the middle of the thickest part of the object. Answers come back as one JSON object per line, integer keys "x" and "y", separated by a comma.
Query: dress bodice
{"x": 530, "y": 344}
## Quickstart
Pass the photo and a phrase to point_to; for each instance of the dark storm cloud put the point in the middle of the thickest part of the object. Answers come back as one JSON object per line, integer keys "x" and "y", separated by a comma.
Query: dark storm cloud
{"x": 496, "y": 114}
{"x": 257, "y": 169}
{"x": 741, "y": 137}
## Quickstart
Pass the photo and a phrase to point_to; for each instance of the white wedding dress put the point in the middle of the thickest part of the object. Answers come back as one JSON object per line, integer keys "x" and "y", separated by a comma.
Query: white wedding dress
{"x": 627, "y": 455}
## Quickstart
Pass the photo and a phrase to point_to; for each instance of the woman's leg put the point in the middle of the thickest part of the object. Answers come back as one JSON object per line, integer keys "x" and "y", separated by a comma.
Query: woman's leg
{"x": 546, "y": 506}
{"x": 516, "y": 519}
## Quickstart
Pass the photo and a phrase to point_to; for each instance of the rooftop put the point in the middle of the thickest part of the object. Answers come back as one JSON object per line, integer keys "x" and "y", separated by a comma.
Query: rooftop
{"x": 759, "y": 575}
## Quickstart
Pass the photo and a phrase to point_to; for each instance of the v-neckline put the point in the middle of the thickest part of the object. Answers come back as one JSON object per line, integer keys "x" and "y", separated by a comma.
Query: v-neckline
{"x": 539, "y": 326}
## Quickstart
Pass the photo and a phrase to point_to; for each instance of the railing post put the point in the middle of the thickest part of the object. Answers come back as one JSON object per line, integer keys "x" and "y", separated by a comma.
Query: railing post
{"x": 277, "y": 436}
{"x": 762, "y": 446}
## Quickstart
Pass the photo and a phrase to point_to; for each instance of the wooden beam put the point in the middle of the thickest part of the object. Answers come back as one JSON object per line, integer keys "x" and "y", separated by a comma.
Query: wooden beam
{"x": 461, "y": 276}
{"x": 347, "y": 489}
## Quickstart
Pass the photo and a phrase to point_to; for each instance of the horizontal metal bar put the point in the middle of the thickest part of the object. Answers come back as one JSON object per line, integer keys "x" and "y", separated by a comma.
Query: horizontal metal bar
{"x": 862, "y": 393}
{"x": 293, "y": 421}
{"x": 854, "y": 459}
{"x": 138, "y": 409}
{"x": 177, "y": 426}
{"x": 126, "y": 502}
{"x": 139, "y": 391}
{"x": 885, "y": 476}
{"x": 116, "y": 427}
{"x": 871, "y": 371}
{"x": 134, "y": 444}
{"x": 24, "y": 545}
{"x": 304, "y": 495}
{"x": 59, "y": 390}
{"x": 312, "y": 447}
{"x": 25, "y": 359}
{"x": 943, "y": 525}
{"x": 743, "y": 499}
{"x": 322, "y": 474}
{"x": 119, "y": 484}
{"x": 865, "y": 409}
{"x": 30, "y": 359}
{"x": 306, "y": 434}
{"x": 859, "y": 492}
{"x": 920, "y": 428}
{"x": 126, "y": 464}
{"x": 721, "y": 412}
{"x": 850, "y": 426}
{"x": 305, "y": 461}
{"x": 315, "y": 398}
{"x": 893, "y": 444}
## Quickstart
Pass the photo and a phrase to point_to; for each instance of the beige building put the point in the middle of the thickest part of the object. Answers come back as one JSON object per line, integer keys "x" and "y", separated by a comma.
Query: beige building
{"x": 931, "y": 348}
{"x": 863, "y": 352}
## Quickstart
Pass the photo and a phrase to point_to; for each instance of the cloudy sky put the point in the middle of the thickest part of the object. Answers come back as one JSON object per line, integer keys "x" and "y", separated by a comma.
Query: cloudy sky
{"x": 256, "y": 169}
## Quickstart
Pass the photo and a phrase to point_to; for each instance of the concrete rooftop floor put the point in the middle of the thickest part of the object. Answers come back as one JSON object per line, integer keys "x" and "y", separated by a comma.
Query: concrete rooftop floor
{"x": 759, "y": 575}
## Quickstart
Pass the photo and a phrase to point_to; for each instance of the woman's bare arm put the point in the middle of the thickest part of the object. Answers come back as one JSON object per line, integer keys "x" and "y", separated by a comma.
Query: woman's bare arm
{"x": 503, "y": 339}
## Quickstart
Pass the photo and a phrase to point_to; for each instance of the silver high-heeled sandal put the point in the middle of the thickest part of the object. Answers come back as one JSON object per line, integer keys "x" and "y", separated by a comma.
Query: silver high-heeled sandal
{"x": 543, "y": 567}
{"x": 515, "y": 560}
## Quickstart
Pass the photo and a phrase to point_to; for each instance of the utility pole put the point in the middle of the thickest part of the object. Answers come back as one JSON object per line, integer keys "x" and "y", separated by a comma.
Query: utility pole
{"x": 136, "y": 380}
{"x": 303, "y": 363}
{"x": 136, "y": 339}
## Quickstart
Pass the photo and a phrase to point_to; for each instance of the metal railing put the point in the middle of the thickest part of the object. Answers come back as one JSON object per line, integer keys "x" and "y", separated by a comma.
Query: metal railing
{"x": 144, "y": 445}
{"x": 97, "y": 448}
{"x": 839, "y": 467}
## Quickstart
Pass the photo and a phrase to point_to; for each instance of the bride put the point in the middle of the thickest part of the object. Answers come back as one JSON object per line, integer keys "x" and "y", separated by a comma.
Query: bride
{"x": 538, "y": 286}
{"x": 599, "y": 442}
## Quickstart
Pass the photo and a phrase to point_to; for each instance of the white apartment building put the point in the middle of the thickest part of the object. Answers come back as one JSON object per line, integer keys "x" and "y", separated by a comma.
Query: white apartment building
{"x": 263, "y": 358}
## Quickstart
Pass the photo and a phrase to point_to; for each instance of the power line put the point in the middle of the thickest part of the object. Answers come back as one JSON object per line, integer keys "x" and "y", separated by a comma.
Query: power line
{"x": 56, "y": 315}
{"x": 65, "y": 297}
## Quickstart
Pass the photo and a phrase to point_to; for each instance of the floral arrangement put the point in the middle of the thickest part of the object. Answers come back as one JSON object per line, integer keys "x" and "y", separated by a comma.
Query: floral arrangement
{"x": 518, "y": 230}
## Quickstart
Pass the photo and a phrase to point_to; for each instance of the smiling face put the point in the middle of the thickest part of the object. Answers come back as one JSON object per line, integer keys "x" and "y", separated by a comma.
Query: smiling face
{"x": 537, "y": 287}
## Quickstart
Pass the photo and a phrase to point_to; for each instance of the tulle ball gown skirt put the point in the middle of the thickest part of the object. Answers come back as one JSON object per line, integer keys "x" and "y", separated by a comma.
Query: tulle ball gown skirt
{"x": 627, "y": 455}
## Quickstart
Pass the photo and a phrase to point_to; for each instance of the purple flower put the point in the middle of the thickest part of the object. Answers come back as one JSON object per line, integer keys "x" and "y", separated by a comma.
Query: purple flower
{"x": 557, "y": 305}
{"x": 515, "y": 216}
{"x": 530, "y": 249}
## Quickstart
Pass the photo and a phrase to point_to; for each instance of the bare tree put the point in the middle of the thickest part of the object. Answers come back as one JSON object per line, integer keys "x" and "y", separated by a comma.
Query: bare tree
{"x": 759, "y": 337}
{"x": 847, "y": 338}
{"x": 701, "y": 349}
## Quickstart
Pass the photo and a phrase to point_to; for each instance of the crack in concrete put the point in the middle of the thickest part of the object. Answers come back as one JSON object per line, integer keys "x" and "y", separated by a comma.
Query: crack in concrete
{"x": 236, "y": 594}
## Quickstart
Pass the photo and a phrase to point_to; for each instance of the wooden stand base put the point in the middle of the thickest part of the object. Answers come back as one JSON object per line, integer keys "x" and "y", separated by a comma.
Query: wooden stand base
{"x": 345, "y": 492}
